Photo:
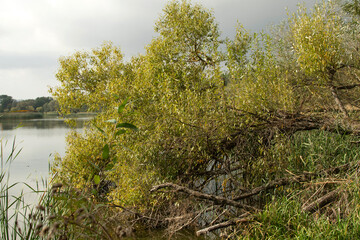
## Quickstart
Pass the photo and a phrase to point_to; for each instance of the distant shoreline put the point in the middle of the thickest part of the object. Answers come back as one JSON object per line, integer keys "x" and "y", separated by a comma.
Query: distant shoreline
{"x": 38, "y": 115}
{"x": 21, "y": 115}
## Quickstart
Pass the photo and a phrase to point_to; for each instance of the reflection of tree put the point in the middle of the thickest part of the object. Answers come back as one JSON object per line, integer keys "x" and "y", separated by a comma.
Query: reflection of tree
{"x": 39, "y": 124}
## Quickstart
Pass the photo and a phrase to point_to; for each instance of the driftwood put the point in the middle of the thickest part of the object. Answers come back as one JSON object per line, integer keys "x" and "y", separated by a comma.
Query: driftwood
{"x": 215, "y": 199}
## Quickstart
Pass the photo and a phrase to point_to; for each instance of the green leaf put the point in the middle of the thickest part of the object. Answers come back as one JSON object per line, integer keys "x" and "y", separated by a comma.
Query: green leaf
{"x": 102, "y": 131}
{"x": 92, "y": 164}
{"x": 127, "y": 125}
{"x": 122, "y": 131}
{"x": 109, "y": 166}
{"x": 106, "y": 152}
{"x": 97, "y": 179}
{"x": 116, "y": 97}
{"x": 122, "y": 106}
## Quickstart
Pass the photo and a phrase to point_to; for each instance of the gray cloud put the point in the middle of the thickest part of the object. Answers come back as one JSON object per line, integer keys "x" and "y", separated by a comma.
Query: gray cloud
{"x": 25, "y": 83}
{"x": 34, "y": 34}
{"x": 255, "y": 15}
{"x": 20, "y": 61}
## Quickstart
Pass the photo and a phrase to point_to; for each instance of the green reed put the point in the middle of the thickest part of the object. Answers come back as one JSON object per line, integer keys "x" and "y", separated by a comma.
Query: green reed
{"x": 16, "y": 221}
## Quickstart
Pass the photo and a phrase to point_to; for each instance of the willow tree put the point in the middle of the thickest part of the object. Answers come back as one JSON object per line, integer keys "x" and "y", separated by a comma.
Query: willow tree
{"x": 320, "y": 47}
{"x": 352, "y": 7}
{"x": 181, "y": 72}
{"x": 175, "y": 96}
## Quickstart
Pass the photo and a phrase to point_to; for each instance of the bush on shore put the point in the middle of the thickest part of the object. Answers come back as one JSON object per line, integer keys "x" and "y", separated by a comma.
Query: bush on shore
{"x": 258, "y": 133}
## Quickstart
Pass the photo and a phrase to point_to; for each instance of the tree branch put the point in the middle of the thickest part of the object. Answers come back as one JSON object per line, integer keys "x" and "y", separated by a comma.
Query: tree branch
{"x": 348, "y": 87}
{"x": 275, "y": 184}
{"x": 215, "y": 199}
{"x": 319, "y": 203}
{"x": 234, "y": 221}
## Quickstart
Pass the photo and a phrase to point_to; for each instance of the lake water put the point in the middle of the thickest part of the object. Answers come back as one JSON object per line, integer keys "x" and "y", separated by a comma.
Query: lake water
{"x": 38, "y": 140}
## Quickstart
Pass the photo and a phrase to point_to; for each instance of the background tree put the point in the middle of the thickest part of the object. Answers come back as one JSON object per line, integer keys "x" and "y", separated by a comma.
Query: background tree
{"x": 352, "y": 7}
{"x": 322, "y": 55}
{"x": 5, "y": 103}
{"x": 41, "y": 101}
{"x": 85, "y": 78}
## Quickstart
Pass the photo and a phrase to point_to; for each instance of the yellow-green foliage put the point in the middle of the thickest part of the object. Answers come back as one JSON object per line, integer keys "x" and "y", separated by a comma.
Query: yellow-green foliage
{"x": 83, "y": 154}
{"x": 264, "y": 86}
{"x": 317, "y": 39}
{"x": 182, "y": 94}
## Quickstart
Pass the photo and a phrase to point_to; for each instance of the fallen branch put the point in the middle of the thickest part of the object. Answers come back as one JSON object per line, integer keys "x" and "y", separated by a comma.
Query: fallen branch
{"x": 226, "y": 224}
{"x": 337, "y": 169}
{"x": 215, "y": 199}
{"x": 324, "y": 200}
{"x": 348, "y": 87}
{"x": 190, "y": 221}
{"x": 305, "y": 177}
{"x": 274, "y": 184}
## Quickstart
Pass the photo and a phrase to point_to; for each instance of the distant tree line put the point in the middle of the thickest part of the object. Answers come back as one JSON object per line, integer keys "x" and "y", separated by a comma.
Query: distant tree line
{"x": 39, "y": 104}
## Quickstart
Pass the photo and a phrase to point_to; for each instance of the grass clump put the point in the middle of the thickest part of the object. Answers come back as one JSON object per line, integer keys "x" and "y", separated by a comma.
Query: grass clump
{"x": 325, "y": 207}
{"x": 285, "y": 218}
{"x": 313, "y": 150}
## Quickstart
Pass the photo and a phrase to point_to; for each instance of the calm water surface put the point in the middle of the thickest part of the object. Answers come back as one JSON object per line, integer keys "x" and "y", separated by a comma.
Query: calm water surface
{"x": 38, "y": 140}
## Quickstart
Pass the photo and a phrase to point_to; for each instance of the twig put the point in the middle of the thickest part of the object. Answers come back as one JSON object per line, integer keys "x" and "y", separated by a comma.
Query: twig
{"x": 215, "y": 199}
{"x": 305, "y": 177}
{"x": 133, "y": 212}
{"x": 314, "y": 194}
{"x": 348, "y": 87}
{"x": 192, "y": 219}
{"x": 274, "y": 184}
{"x": 234, "y": 221}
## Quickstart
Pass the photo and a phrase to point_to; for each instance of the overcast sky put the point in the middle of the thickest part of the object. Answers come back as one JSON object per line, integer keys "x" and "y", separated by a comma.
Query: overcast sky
{"x": 35, "y": 33}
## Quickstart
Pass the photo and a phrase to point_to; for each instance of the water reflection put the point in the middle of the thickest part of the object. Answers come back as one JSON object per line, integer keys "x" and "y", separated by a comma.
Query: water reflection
{"x": 38, "y": 141}
{"x": 46, "y": 123}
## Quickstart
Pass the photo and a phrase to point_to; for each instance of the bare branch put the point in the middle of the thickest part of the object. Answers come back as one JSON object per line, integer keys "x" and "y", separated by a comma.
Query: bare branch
{"x": 348, "y": 87}
{"x": 241, "y": 219}
{"x": 324, "y": 200}
{"x": 275, "y": 184}
{"x": 215, "y": 199}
